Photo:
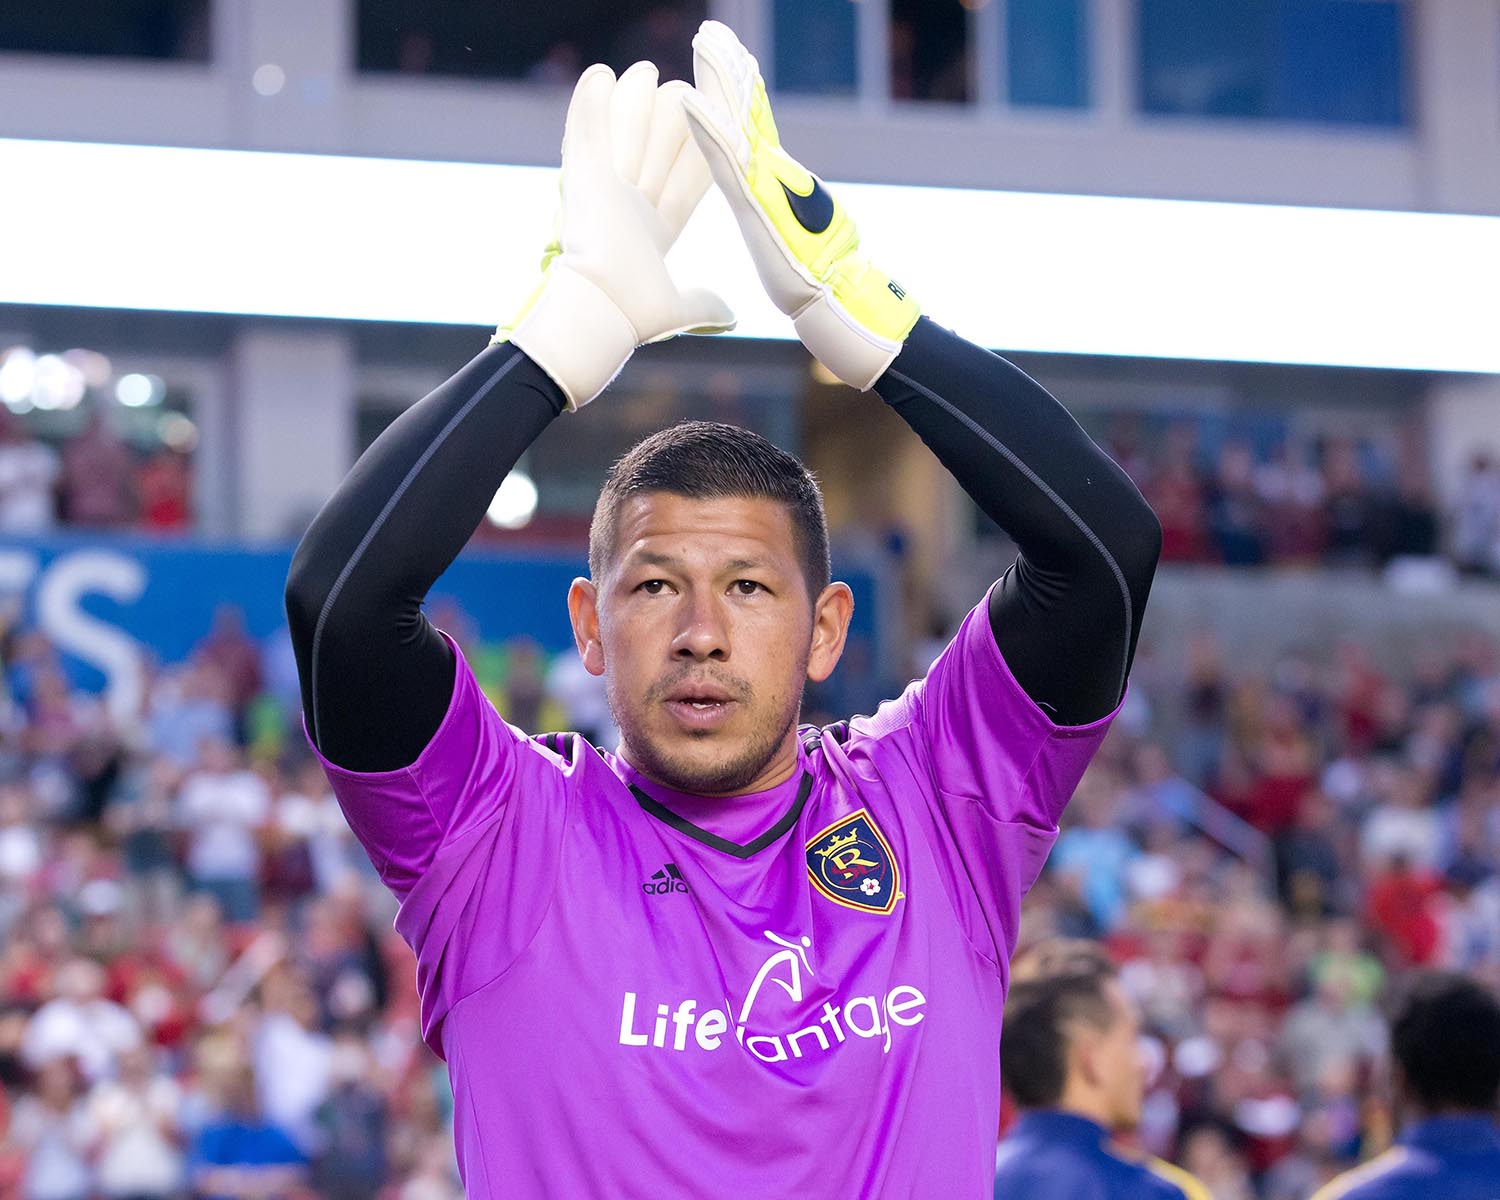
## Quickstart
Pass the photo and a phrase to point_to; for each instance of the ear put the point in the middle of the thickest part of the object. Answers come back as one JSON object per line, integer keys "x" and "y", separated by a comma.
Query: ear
{"x": 1083, "y": 1055}
{"x": 583, "y": 611}
{"x": 831, "y": 612}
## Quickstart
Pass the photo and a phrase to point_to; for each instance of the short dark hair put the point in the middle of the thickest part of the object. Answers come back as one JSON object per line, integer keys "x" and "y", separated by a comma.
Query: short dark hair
{"x": 708, "y": 460}
{"x": 1445, "y": 1035}
{"x": 1053, "y": 985}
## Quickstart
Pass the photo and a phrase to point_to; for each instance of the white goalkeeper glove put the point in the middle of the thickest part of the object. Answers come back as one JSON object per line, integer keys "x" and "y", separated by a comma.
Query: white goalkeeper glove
{"x": 852, "y": 317}
{"x": 631, "y": 177}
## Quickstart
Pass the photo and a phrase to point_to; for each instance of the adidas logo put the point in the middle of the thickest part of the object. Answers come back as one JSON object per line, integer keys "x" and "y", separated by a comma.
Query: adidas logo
{"x": 668, "y": 879}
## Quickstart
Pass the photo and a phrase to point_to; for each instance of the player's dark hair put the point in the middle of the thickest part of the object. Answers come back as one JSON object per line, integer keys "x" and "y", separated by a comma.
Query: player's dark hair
{"x": 708, "y": 460}
{"x": 1445, "y": 1035}
{"x": 1054, "y": 986}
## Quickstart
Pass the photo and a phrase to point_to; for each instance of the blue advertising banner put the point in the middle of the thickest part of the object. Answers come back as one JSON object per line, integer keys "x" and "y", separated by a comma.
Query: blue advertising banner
{"x": 109, "y": 602}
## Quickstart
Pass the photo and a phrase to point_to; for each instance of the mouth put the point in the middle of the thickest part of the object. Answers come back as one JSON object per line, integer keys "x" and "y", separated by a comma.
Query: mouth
{"x": 701, "y": 707}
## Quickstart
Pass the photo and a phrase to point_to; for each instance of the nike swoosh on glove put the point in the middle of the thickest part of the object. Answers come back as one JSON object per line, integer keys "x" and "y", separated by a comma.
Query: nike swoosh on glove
{"x": 852, "y": 317}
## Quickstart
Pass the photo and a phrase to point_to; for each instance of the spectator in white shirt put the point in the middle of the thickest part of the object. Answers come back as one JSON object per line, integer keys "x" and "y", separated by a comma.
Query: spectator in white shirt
{"x": 1476, "y": 518}
{"x": 309, "y": 813}
{"x": 293, "y": 1059}
{"x": 223, "y": 806}
{"x": 1405, "y": 825}
{"x": 54, "y": 1130}
{"x": 29, "y": 471}
{"x": 80, "y": 1023}
{"x": 135, "y": 1120}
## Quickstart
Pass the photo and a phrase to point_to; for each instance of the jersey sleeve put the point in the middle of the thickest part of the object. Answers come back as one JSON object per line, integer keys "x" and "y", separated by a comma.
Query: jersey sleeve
{"x": 988, "y": 742}
{"x": 467, "y": 838}
{"x": 464, "y": 774}
{"x": 995, "y": 772}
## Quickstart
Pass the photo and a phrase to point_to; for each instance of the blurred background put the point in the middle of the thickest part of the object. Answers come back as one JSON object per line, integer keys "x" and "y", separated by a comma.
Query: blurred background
{"x": 1300, "y": 802}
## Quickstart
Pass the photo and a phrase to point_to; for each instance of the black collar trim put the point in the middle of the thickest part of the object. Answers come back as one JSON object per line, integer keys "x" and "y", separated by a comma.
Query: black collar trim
{"x": 664, "y": 814}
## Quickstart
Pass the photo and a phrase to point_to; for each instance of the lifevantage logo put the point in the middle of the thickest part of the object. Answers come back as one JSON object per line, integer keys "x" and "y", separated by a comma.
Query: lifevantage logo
{"x": 870, "y": 1017}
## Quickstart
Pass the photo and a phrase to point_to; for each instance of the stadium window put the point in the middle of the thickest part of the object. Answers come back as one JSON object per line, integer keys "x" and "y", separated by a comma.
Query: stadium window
{"x": 1329, "y": 61}
{"x": 1047, "y": 53}
{"x": 513, "y": 39}
{"x": 930, "y": 50}
{"x": 163, "y": 29}
{"x": 815, "y": 47}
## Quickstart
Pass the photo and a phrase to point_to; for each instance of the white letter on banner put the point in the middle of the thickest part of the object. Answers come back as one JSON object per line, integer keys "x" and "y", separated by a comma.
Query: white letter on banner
{"x": 64, "y": 582}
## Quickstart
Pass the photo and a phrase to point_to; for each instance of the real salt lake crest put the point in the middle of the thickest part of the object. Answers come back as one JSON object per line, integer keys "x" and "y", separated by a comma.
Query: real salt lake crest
{"x": 851, "y": 863}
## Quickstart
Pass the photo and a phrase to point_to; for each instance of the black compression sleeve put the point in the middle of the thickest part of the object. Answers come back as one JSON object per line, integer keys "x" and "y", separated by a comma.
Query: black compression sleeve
{"x": 376, "y": 676}
{"x": 1067, "y": 614}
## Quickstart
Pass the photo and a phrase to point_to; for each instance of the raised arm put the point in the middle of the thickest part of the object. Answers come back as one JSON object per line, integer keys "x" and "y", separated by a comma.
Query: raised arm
{"x": 376, "y": 676}
{"x": 1067, "y": 614}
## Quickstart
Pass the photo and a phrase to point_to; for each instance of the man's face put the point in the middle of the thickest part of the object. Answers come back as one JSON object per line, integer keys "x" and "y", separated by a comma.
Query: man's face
{"x": 704, "y": 631}
{"x": 1121, "y": 1068}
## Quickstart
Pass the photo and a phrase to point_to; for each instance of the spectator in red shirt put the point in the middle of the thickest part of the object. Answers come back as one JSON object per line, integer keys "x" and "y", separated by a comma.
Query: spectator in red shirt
{"x": 1285, "y": 768}
{"x": 1177, "y": 495}
{"x": 164, "y": 484}
{"x": 1401, "y": 904}
{"x": 235, "y": 653}
{"x": 1290, "y": 488}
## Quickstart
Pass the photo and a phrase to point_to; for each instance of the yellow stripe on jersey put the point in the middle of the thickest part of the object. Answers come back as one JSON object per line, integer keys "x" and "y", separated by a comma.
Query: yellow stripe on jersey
{"x": 1192, "y": 1187}
{"x": 1342, "y": 1185}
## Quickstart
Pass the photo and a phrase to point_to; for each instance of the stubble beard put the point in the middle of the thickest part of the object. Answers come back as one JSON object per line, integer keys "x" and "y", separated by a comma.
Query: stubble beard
{"x": 657, "y": 759}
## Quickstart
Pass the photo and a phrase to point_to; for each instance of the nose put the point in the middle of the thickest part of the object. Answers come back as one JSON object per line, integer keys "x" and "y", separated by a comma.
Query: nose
{"x": 703, "y": 635}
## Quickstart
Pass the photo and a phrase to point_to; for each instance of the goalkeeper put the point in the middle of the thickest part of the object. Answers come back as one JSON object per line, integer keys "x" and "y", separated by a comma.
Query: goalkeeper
{"x": 729, "y": 956}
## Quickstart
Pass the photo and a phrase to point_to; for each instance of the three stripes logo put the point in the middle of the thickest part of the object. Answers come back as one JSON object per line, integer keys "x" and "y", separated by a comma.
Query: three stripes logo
{"x": 664, "y": 882}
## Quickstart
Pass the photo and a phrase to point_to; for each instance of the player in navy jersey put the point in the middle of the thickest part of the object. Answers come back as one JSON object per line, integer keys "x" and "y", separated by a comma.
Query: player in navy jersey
{"x": 1445, "y": 1041}
{"x": 1071, "y": 1059}
{"x": 726, "y": 956}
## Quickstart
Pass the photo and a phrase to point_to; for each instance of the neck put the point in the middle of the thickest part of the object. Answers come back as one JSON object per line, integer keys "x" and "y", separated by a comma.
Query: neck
{"x": 1081, "y": 1101}
{"x": 781, "y": 767}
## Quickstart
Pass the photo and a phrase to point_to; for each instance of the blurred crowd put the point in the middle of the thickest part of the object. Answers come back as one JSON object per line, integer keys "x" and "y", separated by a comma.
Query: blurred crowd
{"x": 94, "y": 480}
{"x": 1265, "y": 847}
{"x": 200, "y": 984}
{"x": 1338, "y": 502}
{"x": 200, "y": 988}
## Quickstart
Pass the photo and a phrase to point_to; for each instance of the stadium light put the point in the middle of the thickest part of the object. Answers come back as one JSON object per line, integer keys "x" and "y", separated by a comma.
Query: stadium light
{"x": 514, "y": 504}
{"x": 458, "y": 243}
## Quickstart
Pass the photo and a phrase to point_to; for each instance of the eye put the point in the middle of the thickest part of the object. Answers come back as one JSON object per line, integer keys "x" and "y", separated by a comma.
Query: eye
{"x": 747, "y": 587}
{"x": 652, "y": 587}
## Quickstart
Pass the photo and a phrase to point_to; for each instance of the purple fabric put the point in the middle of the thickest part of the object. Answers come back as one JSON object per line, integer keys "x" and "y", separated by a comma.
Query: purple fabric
{"x": 745, "y": 1034}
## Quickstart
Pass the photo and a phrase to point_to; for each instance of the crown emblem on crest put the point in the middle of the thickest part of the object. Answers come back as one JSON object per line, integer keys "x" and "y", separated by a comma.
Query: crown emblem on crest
{"x": 851, "y": 863}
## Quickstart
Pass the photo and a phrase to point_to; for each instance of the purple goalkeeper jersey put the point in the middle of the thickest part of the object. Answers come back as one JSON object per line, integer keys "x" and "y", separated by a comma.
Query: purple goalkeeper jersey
{"x": 792, "y": 993}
